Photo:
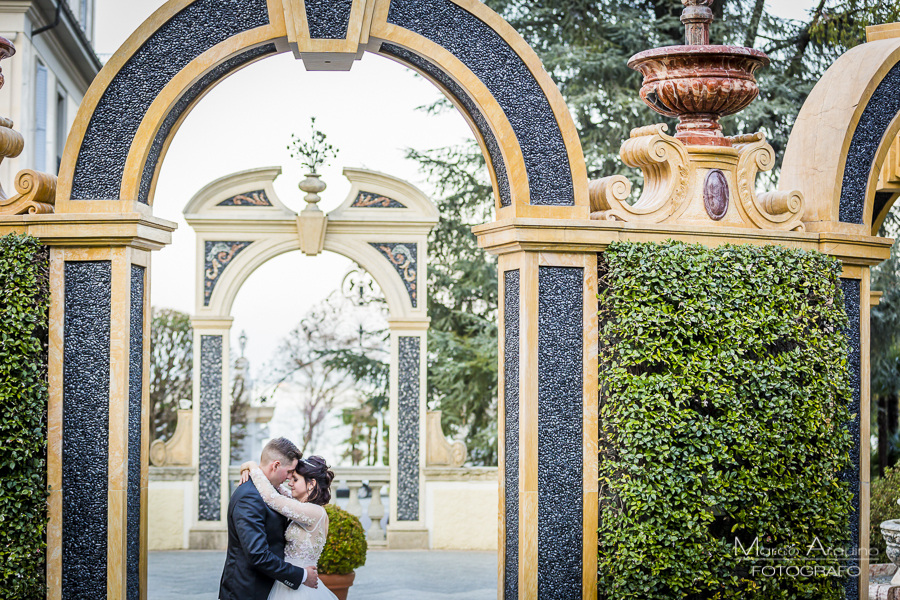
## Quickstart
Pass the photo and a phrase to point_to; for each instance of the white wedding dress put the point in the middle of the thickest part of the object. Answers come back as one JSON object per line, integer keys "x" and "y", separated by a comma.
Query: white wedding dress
{"x": 304, "y": 539}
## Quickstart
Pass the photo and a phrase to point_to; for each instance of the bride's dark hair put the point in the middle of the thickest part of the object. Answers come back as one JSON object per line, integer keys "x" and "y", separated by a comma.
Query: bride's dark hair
{"x": 315, "y": 468}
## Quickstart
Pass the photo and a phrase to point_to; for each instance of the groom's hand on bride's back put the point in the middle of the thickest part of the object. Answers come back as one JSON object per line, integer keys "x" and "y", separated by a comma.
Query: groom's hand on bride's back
{"x": 312, "y": 577}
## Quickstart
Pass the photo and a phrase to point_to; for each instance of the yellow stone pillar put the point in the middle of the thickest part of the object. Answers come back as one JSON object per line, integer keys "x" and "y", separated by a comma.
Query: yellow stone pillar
{"x": 98, "y": 429}
{"x": 548, "y": 424}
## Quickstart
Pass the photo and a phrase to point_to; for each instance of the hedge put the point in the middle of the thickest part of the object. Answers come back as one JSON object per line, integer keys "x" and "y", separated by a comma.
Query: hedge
{"x": 724, "y": 399}
{"x": 24, "y": 302}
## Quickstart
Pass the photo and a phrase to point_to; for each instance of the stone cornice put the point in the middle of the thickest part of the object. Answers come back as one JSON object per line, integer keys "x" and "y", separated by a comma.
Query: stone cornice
{"x": 552, "y": 235}
{"x": 93, "y": 230}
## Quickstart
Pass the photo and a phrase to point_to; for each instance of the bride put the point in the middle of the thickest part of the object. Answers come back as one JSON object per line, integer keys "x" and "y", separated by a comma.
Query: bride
{"x": 305, "y": 537}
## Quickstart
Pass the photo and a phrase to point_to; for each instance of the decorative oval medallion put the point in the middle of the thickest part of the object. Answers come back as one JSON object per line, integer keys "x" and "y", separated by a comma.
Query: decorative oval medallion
{"x": 715, "y": 194}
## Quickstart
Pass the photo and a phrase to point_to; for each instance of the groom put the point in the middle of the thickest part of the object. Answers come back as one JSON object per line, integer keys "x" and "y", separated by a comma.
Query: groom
{"x": 255, "y": 559}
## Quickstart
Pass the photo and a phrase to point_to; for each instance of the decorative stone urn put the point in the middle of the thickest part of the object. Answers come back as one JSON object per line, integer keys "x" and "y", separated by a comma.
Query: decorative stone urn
{"x": 699, "y": 83}
{"x": 890, "y": 530}
{"x": 313, "y": 186}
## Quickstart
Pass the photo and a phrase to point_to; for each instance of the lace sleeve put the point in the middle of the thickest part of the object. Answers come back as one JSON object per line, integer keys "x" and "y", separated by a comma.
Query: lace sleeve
{"x": 305, "y": 514}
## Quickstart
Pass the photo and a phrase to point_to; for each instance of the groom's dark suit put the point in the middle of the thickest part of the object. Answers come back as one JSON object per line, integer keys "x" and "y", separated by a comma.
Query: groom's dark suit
{"x": 255, "y": 558}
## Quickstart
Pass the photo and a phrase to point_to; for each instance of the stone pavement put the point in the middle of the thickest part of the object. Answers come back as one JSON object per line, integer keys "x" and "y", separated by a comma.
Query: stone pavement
{"x": 388, "y": 575}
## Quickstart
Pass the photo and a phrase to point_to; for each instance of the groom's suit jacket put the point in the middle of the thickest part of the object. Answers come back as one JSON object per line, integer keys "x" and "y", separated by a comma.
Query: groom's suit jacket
{"x": 255, "y": 558}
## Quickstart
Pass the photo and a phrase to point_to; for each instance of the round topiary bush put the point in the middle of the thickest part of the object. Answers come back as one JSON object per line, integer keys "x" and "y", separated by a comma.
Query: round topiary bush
{"x": 726, "y": 424}
{"x": 346, "y": 547}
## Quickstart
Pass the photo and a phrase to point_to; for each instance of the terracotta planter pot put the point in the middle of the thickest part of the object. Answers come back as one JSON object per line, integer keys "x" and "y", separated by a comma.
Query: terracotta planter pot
{"x": 338, "y": 584}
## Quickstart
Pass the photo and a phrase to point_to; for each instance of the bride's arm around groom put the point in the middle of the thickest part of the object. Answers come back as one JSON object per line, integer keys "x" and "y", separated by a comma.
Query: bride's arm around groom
{"x": 255, "y": 558}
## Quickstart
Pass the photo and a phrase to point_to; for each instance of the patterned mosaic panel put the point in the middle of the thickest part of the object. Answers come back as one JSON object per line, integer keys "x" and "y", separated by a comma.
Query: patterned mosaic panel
{"x": 135, "y": 381}
{"x": 210, "y": 467}
{"x": 405, "y": 261}
{"x": 851, "y": 291}
{"x": 371, "y": 200}
{"x": 328, "y": 19}
{"x": 190, "y": 33}
{"x": 511, "y": 432}
{"x": 560, "y": 409}
{"x": 883, "y": 107}
{"x": 509, "y": 80}
{"x": 255, "y": 198}
{"x": 218, "y": 255}
{"x": 463, "y": 99}
{"x": 85, "y": 457}
{"x": 408, "y": 429}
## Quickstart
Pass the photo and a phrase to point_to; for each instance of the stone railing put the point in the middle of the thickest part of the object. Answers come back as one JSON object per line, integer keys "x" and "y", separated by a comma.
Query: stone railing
{"x": 378, "y": 479}
{"x": 353, "y": 478}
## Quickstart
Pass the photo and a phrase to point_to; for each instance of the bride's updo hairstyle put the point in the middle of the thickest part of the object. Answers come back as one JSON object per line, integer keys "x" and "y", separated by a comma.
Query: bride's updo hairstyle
{"x": 315, "y": 469}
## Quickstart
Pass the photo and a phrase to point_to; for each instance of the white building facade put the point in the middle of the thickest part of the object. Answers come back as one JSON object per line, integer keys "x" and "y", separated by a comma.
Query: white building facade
{"x": 48, "y": 77}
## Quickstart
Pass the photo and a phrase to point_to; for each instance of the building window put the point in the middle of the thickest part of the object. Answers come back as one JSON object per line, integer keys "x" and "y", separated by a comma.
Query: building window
{"x": 62, "y": 126}
{"x": 40, "y": 119}
{"x": 85, "y": 16}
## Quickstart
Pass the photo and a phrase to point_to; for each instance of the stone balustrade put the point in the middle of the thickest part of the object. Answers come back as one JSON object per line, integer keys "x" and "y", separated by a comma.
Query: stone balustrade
{"x": 378, "y": 479}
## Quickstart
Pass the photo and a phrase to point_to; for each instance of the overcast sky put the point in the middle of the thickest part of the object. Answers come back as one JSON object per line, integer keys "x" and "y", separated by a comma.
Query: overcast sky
{"x": 368, "y": 114}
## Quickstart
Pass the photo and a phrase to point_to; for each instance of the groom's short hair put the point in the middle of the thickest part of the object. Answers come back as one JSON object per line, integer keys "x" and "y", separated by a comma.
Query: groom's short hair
{"x": 280, "y": 449}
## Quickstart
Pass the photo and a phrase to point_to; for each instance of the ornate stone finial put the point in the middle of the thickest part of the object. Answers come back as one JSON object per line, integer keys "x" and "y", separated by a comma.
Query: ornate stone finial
{"x": 696, "y": 16}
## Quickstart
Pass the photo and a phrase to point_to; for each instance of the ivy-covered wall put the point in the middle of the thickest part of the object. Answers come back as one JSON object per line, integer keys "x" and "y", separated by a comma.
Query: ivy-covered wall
{"x": 24, "y": 305}
{"x": 724, "y": 398}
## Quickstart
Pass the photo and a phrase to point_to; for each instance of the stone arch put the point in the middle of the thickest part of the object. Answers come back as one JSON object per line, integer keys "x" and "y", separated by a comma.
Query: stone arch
{"x": 843, "y": 135}
{"x": 497, "y": 82}
{"x": 241, "y": 224}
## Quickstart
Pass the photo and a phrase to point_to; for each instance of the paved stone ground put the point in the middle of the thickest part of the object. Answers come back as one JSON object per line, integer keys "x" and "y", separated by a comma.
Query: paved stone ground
{"x": 388, "y": 575}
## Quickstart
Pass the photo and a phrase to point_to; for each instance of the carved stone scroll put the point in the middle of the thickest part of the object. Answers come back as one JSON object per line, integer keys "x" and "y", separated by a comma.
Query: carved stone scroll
{"x": 773, "y": 210}
{"x": 664, "y": 162}
{"x": 36, "y": 193}
{"x": 441, "y": 452}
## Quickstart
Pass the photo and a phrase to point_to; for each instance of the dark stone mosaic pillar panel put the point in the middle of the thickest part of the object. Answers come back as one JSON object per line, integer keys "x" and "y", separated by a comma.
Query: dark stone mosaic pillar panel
{"x": 851, "y": 289}
{"x": 135, "y": 402}
{"x": 511, "y": 431}
{"x": 210, "y": 464}
{"x": 560, "y": 409}
{"x": 408, "y": 429}
{"x": 882, "y": 108}
{"x": 328, "y": 19}
{"x": 85, "y": 452}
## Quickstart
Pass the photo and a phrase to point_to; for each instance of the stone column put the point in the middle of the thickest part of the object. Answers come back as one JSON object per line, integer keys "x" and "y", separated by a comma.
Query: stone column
{"x": 408, "y": 388}
{"x": 212, "y": 432}
{"x": 548, "y": 426}
{"x": 98, "y": 443}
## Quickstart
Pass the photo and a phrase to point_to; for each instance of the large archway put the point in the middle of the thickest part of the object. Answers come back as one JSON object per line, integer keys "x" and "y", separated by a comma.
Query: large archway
{"x": 97, "y": 532}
